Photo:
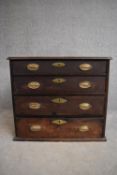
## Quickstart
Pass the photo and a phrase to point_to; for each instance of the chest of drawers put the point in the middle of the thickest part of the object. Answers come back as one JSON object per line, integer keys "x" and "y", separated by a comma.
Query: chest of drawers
{"x": 59, "y": 98}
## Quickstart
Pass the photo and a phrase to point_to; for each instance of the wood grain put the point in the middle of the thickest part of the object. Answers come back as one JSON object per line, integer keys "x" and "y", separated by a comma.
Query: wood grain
{"x": 71, "y": 107}
{"x": 50, "y": 130}
{"x": 71, "y": 68}
{"x": 48, "y": 87}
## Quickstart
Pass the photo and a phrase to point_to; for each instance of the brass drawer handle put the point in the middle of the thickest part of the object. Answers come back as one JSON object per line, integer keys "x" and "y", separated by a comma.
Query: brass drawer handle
{"x": 34, "y": 105}
{"x": 85, "y": 106}
{"x": 59, "y": 100}
{"x": 33, "y": 85}
{"x": 33, "y": 66}
{"x": 83, "y": 128}
{"x": 59, "y": 122}
{"x": 35, "y": 128}
{"x": 85, "y": 67}
{"x": 58, "y": 64}
{"x": 58, "y": 80}
{"x": 85, "y": 84}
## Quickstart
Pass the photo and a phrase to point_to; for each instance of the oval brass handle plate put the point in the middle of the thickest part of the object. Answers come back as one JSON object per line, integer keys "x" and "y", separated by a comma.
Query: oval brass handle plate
{"x": 83, "y": 128}
{"x": 58, "y": 64}
{"x": 58, "y": 80}
{"x": 35, "y": 127}
{"x": 85, "y": 106}
{"x": 33, "y": 85}
{"x": 33, "y": 66}
{"x": 85, "y": 84}
{"x": 34, "y": 105}
{"x": 85, "y": 67}
{"x": 59, "y": 100}
{"x": 59, "y": 122}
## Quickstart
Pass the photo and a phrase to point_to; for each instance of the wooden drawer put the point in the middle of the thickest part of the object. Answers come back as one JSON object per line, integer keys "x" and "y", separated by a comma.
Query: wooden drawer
{"x": 58, "y": 85}
{"x": 59, "y": 128}
{"x": 57, "y": 105}
{"x": 59, "y": 67}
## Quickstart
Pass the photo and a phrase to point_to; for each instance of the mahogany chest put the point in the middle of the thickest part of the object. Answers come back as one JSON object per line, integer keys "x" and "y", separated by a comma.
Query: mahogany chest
{"x": 59, "y": 98}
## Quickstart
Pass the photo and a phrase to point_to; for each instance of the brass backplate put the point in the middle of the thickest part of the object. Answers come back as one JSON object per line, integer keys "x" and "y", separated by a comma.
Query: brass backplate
{"x": 59, "y": 122}
{"x": 85, "y": 106}
{"x": 85, "y": 84}
{"x": 33, "y": 66}
{"x": 85, "y": 67}
{"x": 33, "y": 85}
{"x": 35, "y": 127}
{"x": 59, "y": 100}
{"x": 83, "y": 128}
{"x": 34, "y": 105}
{"x": 58, "y": 80}
{"x": 58, "y": 64}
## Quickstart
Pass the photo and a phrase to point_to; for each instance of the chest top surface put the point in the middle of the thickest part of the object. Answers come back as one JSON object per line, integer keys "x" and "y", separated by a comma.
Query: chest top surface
{"x": 58, "y": 58}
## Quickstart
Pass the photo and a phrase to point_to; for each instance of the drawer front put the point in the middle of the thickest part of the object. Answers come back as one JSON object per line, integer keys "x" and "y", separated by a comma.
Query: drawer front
{"x": 57, "y": 105}
{"x": 85, "y": 67}
{"x": 59, "y": 128}
{"x": 59, "y": 85}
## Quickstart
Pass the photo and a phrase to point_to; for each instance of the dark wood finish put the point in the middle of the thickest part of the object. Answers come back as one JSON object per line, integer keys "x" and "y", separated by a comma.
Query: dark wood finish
{"x": 71, "y": 129}
{"x": 58, "y": 58}
{"x": 12, "y": 92}
{"x": 97, "y": 95}
{"x": 71, "y": 107}
{"x": 71, "y": 68}
{"x": 106, "y": 95}
{"x": 101, "y": 139}
{"x": 47, "y": 86}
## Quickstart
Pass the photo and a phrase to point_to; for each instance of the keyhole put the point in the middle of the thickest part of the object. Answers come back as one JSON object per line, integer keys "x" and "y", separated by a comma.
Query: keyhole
{"x": 59, "y": 122}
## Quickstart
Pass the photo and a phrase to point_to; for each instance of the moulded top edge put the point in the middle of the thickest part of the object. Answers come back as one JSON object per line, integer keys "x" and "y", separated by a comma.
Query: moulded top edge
{"x": 58, "y": 57}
